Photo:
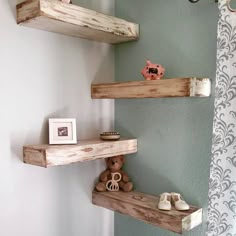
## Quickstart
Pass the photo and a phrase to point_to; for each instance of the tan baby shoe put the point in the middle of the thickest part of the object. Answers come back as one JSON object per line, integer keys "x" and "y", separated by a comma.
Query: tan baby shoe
{"x": 178, "y": 202}
{"x": 165, "y": 202}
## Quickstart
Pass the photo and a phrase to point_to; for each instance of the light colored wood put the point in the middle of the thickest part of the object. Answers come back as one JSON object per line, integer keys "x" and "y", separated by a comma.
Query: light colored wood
{"x": 178, "y": 87}
{"x": 69, "y": 19}
{"x": 55, "y": 155}
{"x": 144, "y": 207}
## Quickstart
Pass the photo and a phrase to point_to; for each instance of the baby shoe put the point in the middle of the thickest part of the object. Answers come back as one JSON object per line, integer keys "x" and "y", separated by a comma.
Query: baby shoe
{"x": 179, "y": 202}
{"x": 164, "y": 202}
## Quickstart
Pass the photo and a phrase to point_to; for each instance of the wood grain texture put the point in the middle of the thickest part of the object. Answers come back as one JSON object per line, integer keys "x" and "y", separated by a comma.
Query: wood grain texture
{"x": 178, "y": 87}
{"x": 54, "y": 155}
{"x": 144, "y": 207}
{"x": 59, "y": 17}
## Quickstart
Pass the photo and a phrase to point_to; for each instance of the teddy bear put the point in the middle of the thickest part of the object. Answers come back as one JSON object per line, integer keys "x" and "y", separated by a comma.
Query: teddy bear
{"x": 113, "y": 178}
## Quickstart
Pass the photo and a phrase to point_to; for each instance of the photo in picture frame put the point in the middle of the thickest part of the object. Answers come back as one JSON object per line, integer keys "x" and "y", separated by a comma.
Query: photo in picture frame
{"x": 62, "y": 131}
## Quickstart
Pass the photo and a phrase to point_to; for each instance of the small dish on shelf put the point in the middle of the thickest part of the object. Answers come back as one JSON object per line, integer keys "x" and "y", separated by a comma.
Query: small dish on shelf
{"x": 110, "y": 136}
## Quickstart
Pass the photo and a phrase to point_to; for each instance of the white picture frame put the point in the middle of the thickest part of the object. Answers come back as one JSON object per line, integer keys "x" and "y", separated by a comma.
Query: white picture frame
{"x": 62, "y": 131}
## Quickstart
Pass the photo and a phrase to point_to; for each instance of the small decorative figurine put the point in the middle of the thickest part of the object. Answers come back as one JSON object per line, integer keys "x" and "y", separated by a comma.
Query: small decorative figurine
{"x": 110, "y": 136}
{"x": 153, "y": 71}
{"x": 113, "y": 178}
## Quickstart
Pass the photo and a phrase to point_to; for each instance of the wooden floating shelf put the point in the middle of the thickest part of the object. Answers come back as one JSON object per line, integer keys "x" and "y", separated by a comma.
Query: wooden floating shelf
{"x": 55, "y": 155}
{"x": 178, "y": 87}
{"x": 144, "y": 207}
{"x": 59, "y": 17}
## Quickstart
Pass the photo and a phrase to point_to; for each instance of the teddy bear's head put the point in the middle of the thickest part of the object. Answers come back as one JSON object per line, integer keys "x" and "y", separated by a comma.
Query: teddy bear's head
{"x": 115, "y": 163}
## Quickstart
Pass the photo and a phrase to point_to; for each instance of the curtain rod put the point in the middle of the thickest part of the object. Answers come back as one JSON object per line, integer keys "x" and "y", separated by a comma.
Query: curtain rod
{"x": 194, "y": 1}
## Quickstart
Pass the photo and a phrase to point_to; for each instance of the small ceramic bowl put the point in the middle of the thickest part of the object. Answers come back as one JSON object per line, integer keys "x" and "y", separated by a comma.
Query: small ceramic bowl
{"x": 110, "y": 136}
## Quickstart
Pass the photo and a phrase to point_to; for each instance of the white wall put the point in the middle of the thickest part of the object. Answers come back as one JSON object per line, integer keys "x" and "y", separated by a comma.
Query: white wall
{"x": 46, "y": 75}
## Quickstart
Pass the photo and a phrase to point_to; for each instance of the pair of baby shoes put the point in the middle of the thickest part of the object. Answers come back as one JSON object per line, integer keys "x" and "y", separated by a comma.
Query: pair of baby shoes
{"x": 175, "y": 198}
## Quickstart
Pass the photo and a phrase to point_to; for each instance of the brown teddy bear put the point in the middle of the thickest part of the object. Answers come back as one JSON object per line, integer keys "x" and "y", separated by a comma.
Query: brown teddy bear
{"x": 113, "y": 171}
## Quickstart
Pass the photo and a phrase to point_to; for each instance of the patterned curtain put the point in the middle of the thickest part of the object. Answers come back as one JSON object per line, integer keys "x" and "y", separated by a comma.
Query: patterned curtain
{"x": 222, "y": 185}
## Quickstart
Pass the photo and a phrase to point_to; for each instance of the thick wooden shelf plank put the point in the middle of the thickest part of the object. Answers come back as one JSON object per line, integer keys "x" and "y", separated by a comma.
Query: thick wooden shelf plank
{"x": 59, "y": 17}
{"x": 178, "y": 87}
{"x": 144, "y": 207}
{"x": 54, "y": 155}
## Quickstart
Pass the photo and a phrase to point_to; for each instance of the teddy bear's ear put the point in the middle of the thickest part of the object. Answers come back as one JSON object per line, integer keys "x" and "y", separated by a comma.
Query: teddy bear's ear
{"x": 148, "y": 62}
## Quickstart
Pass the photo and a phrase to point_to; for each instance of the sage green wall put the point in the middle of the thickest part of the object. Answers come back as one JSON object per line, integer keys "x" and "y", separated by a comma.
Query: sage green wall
{"x": 174, "y": 134}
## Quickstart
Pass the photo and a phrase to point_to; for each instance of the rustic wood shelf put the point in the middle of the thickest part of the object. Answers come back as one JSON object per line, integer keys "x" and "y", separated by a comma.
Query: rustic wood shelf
{"x": 59, "y": 17}
{"x": 54, "y": 155}
{"x": 178, "y": 87}
{"x": 144, "y": 207}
